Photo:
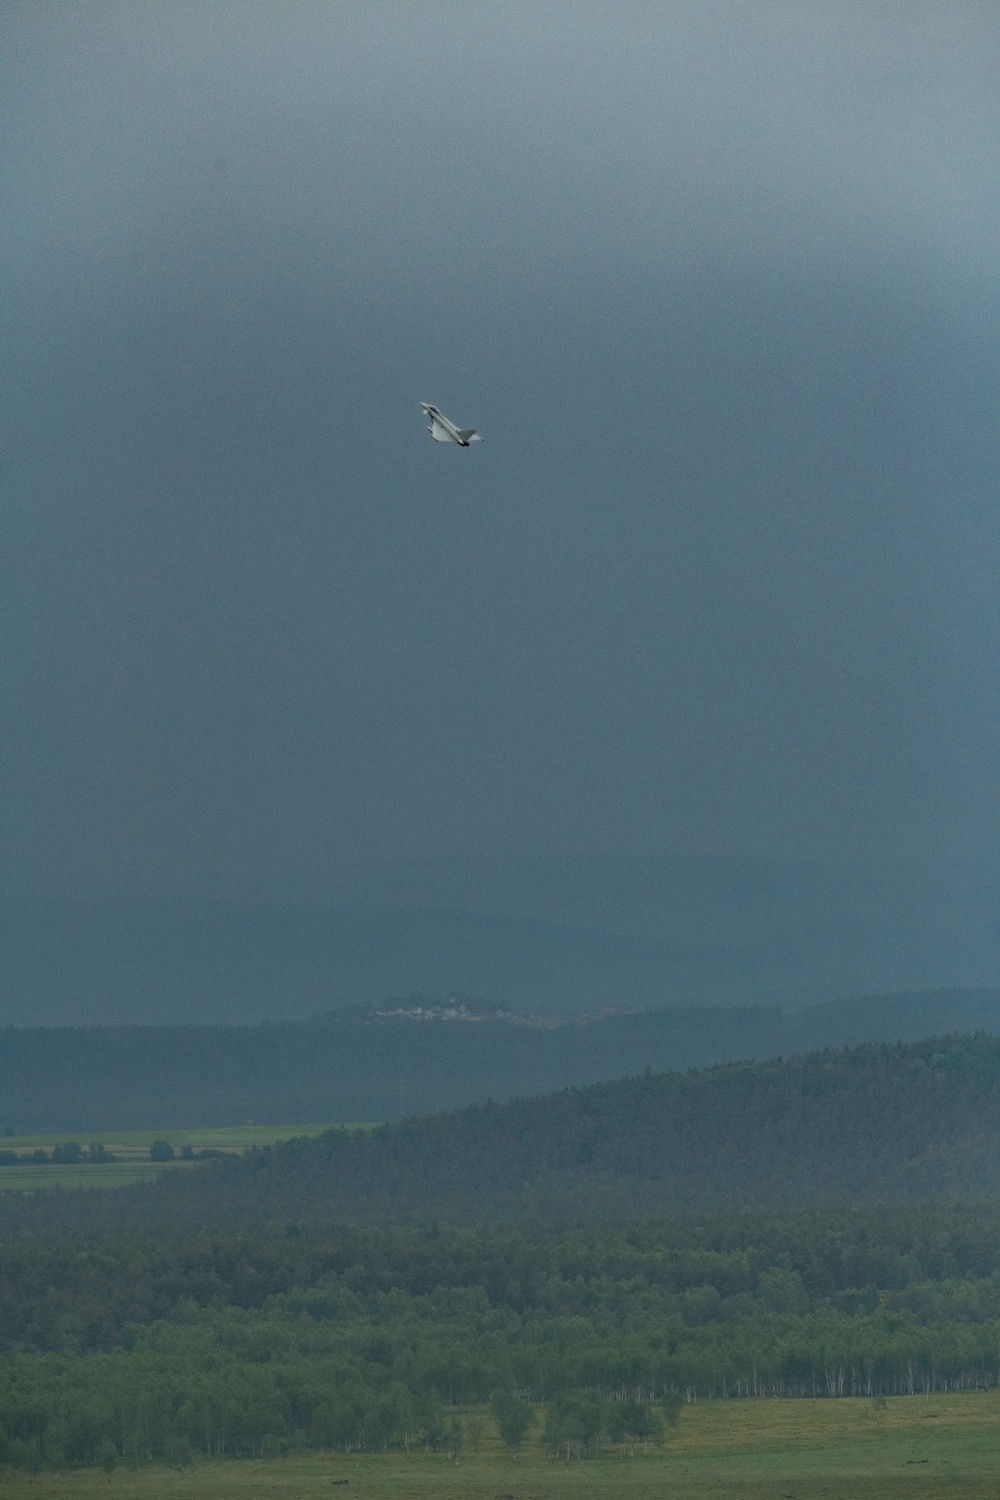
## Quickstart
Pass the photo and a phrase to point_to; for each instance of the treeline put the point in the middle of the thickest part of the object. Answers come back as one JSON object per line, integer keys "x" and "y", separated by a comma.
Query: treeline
{"x": 68, "y": 1153}
{"x": 363, "y": 1065}
{"x": 72, "y": 1154}
{"x": 249, "y": 1388}
{"x": 85, "y": 1290}
{"x": 877, "y": 1121}
{"x": 141, "y": 1343}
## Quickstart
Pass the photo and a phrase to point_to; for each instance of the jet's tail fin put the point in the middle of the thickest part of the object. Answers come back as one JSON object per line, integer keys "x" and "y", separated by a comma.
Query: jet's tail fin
{"x": 469, "y": 435}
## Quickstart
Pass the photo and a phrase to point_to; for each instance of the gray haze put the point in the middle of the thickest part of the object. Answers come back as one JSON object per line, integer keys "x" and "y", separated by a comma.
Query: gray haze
{"x": 718, "y": 285}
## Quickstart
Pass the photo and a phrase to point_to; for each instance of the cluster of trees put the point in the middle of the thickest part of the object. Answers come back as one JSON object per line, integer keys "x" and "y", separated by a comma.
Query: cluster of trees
{"x": 876, "y": 1121}
{"x": 164, "y": 1151}
{"x": 140, "y": 1342}
{"x": 69, "y": 1153}
{"x": 576, "y": 1423}
{"x": 79, "y": 1289}
{"x": 251, "y": 1386}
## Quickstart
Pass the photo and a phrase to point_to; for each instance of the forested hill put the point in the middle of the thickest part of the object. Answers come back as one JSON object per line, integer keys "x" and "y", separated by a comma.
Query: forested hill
{"x": 878, "y": 1121}
{"x": 411, "y": 1058}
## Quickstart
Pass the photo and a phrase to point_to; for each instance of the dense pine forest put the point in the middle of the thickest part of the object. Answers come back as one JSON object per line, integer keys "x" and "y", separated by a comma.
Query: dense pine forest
{"x": 412, "y": 1056}
{"x": 878, "y": 1121}
{"x": 139, "y": 1343}
{"x": 579, "y": 1266}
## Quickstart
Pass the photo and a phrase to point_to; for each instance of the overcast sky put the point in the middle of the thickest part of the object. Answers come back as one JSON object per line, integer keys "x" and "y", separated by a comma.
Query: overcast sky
{"x": 718, "y": 285}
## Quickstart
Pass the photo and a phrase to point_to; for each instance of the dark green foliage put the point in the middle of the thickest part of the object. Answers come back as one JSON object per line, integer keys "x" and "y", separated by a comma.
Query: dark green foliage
{"x": 671, "y": 1406}
{"x": 890, "y": 1122}
{"x": 513, "y": 1416}
{"x": 454, "y": 1439}
{"x": 161, "y": 1151}
{"x": 129, "y": 1339}
{"x": 574, "y": 1424}
{"x": 91, "y": 1288}
{"x": 69, "y": 1154}
{"x": 629, "y": 1422}
{"x": 168, "y": 1341}
{"x": 577, "y": 1421}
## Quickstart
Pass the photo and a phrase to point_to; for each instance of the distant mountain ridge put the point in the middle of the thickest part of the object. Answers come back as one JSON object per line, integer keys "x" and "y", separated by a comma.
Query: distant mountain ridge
{"x": 566, "y": 935}
{"x": 185, "y": 961}
{"x": 415, "y": 1055}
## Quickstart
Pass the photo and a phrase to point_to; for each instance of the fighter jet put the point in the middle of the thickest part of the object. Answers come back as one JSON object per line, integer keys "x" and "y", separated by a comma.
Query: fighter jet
{"x": 444, "y": 431}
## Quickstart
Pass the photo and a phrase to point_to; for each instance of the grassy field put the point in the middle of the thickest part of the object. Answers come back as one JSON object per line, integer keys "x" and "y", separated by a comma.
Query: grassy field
{"x": 732, "y": 1450}
{"x": 130, "y": 1148}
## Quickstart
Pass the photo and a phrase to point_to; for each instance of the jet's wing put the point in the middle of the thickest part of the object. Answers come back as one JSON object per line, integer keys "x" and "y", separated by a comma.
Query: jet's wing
{"x": 444, "y": 431}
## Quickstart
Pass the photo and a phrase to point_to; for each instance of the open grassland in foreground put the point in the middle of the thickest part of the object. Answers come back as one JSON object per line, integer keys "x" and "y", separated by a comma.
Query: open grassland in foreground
{"x": 130, "y": 1150}
{"x": 928, "y": 1448}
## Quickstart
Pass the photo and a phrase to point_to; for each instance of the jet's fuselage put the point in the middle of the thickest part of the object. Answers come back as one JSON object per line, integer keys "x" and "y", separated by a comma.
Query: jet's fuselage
{"x": 444, "y": 431}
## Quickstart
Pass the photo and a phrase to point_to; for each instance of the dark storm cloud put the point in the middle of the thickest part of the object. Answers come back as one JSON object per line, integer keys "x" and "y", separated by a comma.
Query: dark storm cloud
{"x": 718, "y": 285}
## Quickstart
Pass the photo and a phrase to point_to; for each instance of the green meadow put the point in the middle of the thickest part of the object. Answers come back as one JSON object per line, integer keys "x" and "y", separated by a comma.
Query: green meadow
{"x": 130, "y": 1149}
{"x": 733, "y": 1450}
